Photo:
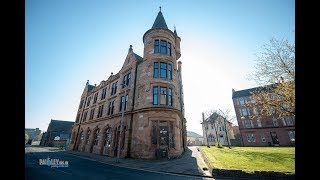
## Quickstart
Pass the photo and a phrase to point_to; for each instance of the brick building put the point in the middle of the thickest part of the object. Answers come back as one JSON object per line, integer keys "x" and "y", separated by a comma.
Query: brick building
{"x": 263, "y": 131}
{"x": 149, "y": 91}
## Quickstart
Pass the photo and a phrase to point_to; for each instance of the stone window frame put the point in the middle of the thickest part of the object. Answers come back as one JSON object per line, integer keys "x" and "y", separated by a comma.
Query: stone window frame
{"x": 157, "y": 69}
{"x": 159, "y": 46}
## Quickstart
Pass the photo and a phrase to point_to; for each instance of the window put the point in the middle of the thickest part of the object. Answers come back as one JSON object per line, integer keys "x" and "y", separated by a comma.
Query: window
{"x": 220, "y": 129}
{"x": 169, "y": 97}
{"x": 244, "y": 111}
{"x": 259, "y": 123}
{"x": 211, "y": 126}
{"x": 248, "y": 124}
{"x": 156, "y": 46}
{"x": 114, "y": 88}
{"x": 88, "y": 102}
{"x": 251, "y": 138}
{"x": 292, "y": 135}
{"x": 242, "y": 100}
{"x": 100, "y": 111}
{"x": 111, "y": 107}
{"x": 91, "y": 113}
{"x": 84, "y": 117}
{"x": 275, "y": 122}
{"x": 104, "y": 91}
{"x": 248, "y": 110}
{"x": 81, "y": 136}
{"x": 95, "y": 98}
{"x": 252, "y": 99}
{"x": 169, "y": 71}
{"x": 163, "y": 47}
{"x": 163, "y": 95}
{"x": 288, "y": 121}
{"x": 88, "y": 136}
{"x": 81, "y": 104}
{"x": 107, "y": 138}
{"x": 124, "y": 100}
{"x": 154, "y": 136}
{"x": 126, "y": 79}
{"x": 155, "y": 69}
{"x": 155, "y": 95}
{"x": 243, "y": 125}
{"x": 97, "y": 137}
{"x": 163, "y": 70}
{"x": 263, "y": 138}
{"x": 251, "y": 122}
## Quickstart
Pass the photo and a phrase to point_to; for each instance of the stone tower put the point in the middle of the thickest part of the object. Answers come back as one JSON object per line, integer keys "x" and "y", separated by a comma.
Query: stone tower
{"x": 159, "y": 125}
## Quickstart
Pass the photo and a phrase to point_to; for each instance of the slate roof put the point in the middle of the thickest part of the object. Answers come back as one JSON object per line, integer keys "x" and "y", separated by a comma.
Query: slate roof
{"x": 160, "y": 22}
{"x": 139, "y": 58}
{"x": 248, "y": 92}
{"x": 60, "y": 126}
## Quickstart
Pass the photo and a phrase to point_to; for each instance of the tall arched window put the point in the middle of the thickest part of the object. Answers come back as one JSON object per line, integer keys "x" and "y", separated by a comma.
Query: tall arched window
{"x": 96, "y": 137}
{"x": 107, "y": 137}
{"x": 88, "y": 136}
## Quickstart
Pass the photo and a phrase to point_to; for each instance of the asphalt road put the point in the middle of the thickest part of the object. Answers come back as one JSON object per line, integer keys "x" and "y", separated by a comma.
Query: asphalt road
{"x": 80, "y": 168}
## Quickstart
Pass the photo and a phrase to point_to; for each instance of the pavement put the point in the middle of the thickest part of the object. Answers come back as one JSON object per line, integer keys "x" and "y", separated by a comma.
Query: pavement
{"x": 190, "y": 163}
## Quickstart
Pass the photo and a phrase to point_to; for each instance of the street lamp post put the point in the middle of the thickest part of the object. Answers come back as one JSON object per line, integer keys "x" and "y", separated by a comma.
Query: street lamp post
{"x": 121, "y": 121}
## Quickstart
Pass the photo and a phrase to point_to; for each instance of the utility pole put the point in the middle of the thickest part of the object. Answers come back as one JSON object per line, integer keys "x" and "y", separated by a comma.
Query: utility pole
{"x": 121, "y": 121}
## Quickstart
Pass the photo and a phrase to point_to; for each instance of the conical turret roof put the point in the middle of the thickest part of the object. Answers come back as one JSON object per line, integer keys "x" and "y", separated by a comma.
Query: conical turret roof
{"x": 160, "y": 22}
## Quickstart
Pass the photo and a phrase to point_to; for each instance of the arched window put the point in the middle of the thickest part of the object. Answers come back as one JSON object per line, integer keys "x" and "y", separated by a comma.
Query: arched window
{"x": 88, "y": 136}
{"x": 81, "y": 136}
{"x": 97, "y": 137}
{"x": 107, "y": 137}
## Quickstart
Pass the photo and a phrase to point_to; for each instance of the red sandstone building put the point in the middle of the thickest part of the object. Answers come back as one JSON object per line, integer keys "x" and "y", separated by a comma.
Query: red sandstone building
{"x": 264, "y": 131}
{"x": 149, "y": 91}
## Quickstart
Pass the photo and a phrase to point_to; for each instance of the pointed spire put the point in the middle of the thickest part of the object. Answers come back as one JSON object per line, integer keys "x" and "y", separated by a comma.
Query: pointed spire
{"x": 160, "y": 22}
{"x": 175, "y": 32}
{"x": 130, "y": 49}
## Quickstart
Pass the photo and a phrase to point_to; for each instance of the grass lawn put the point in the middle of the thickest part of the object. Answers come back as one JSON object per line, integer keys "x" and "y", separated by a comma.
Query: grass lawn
{"x": 249, "y": 159}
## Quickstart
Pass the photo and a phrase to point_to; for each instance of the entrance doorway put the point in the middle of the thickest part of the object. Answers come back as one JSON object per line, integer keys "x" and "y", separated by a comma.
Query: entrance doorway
{"x": 274, "y": 138}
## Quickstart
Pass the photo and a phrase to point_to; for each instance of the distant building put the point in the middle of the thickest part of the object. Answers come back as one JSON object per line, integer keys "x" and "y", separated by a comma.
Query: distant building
{"x": 32, "y": 133}
{"x": 149, "y": 91}
{"x": 215, "y": 129}
{"x": 57, "y": 128}
{"x": 263, "y": 131}
{"x": 194, "y": 139}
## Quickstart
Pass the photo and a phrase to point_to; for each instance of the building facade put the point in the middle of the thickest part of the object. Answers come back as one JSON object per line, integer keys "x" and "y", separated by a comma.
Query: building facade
{"x": 216, "y": 129}
{"x": 145, "y": 95}
{"x": 58, "y": 133}
{"x": 264, "y": 130}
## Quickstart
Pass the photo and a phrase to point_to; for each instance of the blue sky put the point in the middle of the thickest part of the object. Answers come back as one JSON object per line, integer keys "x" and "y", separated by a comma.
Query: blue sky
{"x": 70, "y": 42}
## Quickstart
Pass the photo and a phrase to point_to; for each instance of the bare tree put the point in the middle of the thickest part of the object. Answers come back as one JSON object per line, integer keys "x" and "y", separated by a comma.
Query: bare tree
{"x": 275, "y": 73}
{"x": 225, "y": 114}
